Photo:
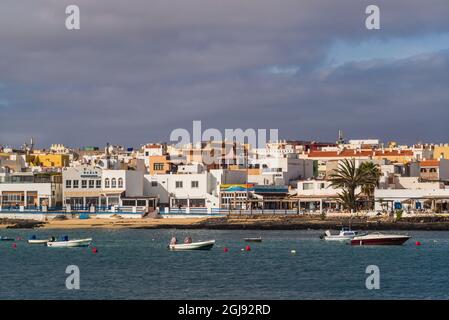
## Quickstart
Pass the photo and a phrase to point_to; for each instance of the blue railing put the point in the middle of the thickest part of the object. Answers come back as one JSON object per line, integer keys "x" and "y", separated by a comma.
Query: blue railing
{"x": 30, "y": 208}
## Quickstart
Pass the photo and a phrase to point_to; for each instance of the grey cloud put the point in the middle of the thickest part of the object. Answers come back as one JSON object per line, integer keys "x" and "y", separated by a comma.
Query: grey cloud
{"x": 138, "y": 69}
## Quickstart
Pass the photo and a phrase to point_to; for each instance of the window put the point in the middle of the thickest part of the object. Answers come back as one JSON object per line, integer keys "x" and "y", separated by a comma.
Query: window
{"x": 106, "y": 183}
{"x": 114, "y": 183}
{"x": 120, "y": 182}
{"x": 158, "y": 166}
{"x": 68, "y": 184}
{"x": 83, "y": 184}
{"x": 129, "y": 203}
{"x": 307, "y": 186}
{"x": 98, "y": 184}
{"x": 195, "y": 184}
{"x": 76, "y": 184}
{"x": 91, "y": 184}
{"x": 433, "y": 170}
{"x": 178, "y": 184}
{"x": 423, "y": 170}
{"x": 154, "y": 183}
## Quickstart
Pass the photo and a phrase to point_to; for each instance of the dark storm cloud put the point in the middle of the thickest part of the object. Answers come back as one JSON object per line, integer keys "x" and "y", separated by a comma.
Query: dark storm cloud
{"x": 138, "y": 69}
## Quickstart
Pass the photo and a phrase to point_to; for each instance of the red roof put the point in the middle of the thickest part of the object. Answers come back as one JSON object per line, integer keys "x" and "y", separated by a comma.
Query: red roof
{"x": 359, "y": 153}
{"x": 430, "y": 163}
{"x": 152, "y": 146}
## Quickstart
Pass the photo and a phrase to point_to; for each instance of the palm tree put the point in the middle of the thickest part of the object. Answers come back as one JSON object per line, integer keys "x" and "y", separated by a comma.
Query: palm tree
{"x": 348, "y": 177}
{"x": 374, "y": 174}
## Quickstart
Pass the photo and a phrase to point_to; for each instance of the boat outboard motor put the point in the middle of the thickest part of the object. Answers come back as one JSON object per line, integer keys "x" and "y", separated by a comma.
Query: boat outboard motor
{"x": 326, "y": 234}
{"x": 33, "y": 237}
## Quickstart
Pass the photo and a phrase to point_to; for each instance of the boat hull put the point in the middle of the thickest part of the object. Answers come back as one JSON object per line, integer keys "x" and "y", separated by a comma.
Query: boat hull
{"x": 70, "y": 243}
{"x": 253, "y": 239}
{"x": 390, "y": 241}
{"x": 204, "y": 245}
{"x": 337, "y": 238}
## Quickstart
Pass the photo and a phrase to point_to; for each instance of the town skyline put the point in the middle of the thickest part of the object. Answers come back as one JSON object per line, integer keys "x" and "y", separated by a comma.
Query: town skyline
{"x": 136, "y": 72}
{"x": 138, "y": 144}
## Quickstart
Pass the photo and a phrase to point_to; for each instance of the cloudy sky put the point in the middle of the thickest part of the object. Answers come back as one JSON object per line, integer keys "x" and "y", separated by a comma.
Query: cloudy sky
{"x": 138, "y": 69}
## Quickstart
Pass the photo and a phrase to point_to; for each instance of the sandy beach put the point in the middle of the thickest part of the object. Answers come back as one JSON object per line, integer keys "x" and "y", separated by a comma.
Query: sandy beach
{"x": 119, "y": 223}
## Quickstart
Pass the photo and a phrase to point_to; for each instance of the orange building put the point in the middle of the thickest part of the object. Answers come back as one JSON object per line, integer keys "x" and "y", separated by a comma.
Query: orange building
{"x": 160, "y": 164}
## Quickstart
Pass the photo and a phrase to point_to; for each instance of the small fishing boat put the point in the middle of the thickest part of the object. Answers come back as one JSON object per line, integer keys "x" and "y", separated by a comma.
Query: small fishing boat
{"x": 66, "y": 243}
{"x": 34, "y": 240}
{"x": 377, "y": 238}
{"x": 203, "y": 245}
{"x": 345, "y": 234}
{"x": 38, "y": 241}
{"x": 258, "y": 239}
{"x": 6, "y": 239}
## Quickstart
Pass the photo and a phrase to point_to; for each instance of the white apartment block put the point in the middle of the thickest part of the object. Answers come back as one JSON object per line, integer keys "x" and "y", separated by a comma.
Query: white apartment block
{"x": 281, "y": 171}
{"x": 87, "y": 185}
{"x": 191, "y": 189}
{"x": 28, "y": 190}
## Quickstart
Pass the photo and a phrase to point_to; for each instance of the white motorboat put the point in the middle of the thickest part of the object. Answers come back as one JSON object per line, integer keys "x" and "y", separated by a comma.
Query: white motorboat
{"x": 70, "y": 243}
{"x": 377, "y": 238}
{"x": 203, "y": 245}
{"x": 345, "y": 234}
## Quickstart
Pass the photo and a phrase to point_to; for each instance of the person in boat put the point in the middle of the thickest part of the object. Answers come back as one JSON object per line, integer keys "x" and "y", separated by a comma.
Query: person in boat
{"x": 173, "y": 240}
{"x": 188, "y": 240}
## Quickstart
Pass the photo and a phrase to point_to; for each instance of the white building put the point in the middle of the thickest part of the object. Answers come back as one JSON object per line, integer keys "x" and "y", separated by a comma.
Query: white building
{"x": 87, "y": 185}
{"x": 281, "y": 170}
{"x": 30, "y": 190}
{"x": 192, "y": 189}
{"x": 410, "y": 193}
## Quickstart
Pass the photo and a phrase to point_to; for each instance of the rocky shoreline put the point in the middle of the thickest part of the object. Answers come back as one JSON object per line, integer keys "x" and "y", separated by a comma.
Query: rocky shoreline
{"x": 20, "y": 223}
{"x": 238, "y": 222}
{"x": 433, "y": 223}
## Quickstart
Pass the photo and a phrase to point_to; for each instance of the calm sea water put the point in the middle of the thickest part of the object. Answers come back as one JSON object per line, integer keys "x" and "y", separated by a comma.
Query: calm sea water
{"x": 135, "y": 264}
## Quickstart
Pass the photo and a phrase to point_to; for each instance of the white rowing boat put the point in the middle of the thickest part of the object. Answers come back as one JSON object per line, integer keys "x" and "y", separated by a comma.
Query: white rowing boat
{"x": 204, "y": 245}
{"x": 38, "y": 241}
{"x": 259, "y": 239}
{"x": 70, "y": 243}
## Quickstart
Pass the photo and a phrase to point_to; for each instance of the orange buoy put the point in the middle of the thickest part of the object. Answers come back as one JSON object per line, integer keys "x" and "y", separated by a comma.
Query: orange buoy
{"x": 94, "y": 250}
{"x": 418, "y": 243}
{"x": 14, "y": 245}
{"x": 248, "y": 248}
{"x": 225, "y": 249}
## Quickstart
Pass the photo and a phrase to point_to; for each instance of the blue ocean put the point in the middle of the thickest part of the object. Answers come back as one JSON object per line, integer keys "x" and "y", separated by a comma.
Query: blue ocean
{"x": 135, "y": 264}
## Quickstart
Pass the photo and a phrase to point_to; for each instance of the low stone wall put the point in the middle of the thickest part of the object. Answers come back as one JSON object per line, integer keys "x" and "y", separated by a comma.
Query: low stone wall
{"x": 23, "y": 216}
{"x": 40, "y": 216}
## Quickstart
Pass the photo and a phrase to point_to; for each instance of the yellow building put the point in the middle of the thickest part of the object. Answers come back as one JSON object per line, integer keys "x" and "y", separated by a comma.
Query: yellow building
{"x": 441, "y": 150}
{"x": 49, "y": 160}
